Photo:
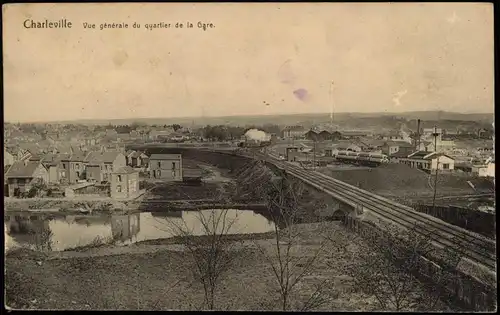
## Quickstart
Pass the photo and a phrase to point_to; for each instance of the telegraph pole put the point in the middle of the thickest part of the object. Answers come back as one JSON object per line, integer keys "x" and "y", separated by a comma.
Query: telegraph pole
{"x": 435, "y": 134}
{"x": 314, "y": 155}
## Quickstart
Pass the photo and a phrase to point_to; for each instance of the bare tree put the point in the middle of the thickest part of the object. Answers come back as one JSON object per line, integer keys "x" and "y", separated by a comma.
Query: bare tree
{"x": 212, "y": 253}
{"x": 289, "y": 266}
{"x": 388, "y": 268}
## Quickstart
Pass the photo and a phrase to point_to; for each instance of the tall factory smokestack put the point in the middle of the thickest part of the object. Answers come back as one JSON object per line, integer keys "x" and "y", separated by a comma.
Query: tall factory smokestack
{"x": 418, "y": 134}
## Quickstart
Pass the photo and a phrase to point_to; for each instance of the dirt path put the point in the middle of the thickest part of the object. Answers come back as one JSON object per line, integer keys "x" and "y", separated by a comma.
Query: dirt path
{"x": 216, "y": 175}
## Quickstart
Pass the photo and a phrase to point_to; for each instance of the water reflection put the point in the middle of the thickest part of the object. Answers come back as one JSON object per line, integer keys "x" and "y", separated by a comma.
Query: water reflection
{"x": 63, "y": 232}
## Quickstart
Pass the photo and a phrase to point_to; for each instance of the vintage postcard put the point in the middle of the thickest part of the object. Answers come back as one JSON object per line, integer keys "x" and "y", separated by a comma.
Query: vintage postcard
{"x": 249, "y": 156}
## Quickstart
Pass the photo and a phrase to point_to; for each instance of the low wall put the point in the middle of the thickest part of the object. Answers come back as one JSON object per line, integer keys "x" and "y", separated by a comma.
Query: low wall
{"x": 466, "y": 291}
{"x": 470, "y": 219}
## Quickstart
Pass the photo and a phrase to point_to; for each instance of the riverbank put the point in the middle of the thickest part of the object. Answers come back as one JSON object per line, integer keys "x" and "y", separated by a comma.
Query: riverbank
{"x": 156, "y": 275}
{"x": 64, "y": 205}
{"x": 114, "y": 207}
{"x": 173, "y": 196}
{"x": 143, "y": 275}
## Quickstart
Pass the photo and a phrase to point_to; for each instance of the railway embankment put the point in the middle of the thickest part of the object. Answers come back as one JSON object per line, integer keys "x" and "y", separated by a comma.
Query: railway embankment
{"x": 473, "y": 220}
{"x": 472, "y": 288}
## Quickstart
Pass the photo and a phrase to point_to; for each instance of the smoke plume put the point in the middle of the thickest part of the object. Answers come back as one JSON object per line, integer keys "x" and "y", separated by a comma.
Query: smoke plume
{"x": 257, "y": 135}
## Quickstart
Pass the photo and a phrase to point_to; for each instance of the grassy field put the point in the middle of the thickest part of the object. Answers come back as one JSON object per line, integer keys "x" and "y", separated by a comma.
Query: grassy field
{"x": 160, "y": 279}
{"x": 402, "y": 181}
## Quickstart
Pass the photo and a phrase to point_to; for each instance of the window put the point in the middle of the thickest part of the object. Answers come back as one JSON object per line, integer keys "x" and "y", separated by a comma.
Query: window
{"x": 159, "y": 164}
{"x": 119, "y": 178}
{"x": 118, "y": 188}
{"x": 77, "y": 166}
{"x": 64, "y": 166}
{"x": 446, "y": 166}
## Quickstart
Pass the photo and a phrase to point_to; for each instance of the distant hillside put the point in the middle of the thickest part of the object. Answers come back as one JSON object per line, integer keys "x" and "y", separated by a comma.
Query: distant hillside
{"x": 290, "y": 119}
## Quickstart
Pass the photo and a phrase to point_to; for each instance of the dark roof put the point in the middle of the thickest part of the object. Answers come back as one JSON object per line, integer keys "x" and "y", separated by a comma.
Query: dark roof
{"x": 129, "y": 152}
{"x": 125, "y": 170}
{"x": 19, "y": 169}
{"x": 102, "y": 157}
{"x": 135, "y": 154}
{"x": 165, "y": 157}
{"x": 432, "y": 154}
{"x": 427, "y": 155}
{"x": 419, "y": 154}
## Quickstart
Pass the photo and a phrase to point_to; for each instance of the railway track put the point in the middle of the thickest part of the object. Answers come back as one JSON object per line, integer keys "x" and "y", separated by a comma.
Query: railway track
{"x": 474, "y": 247}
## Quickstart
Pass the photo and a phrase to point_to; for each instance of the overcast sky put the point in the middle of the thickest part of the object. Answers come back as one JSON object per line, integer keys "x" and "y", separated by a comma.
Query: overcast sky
{"x": 259, "y": 59}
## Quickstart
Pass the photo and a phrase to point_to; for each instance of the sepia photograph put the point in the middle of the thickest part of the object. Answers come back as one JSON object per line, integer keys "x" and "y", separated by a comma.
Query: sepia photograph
{"x": 305, "y": 157}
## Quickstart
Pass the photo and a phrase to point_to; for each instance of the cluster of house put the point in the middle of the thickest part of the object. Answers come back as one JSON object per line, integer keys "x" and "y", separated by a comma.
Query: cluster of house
{"x": 431, "y": 152}
{"x": 89, "y": 139}
{"x": 98, "y": 173}
{"x": 101, "y": 172}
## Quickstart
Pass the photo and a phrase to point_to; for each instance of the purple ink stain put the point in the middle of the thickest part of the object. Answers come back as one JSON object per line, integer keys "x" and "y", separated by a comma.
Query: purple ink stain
{"x": 301, "y": 94}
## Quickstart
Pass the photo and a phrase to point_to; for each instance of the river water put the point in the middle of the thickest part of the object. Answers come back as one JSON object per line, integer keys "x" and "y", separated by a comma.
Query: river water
{"x": 61, "y": 232}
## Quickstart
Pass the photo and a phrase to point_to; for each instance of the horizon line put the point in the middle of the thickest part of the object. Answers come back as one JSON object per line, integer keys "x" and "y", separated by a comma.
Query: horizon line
{"x": 244, "y": 115}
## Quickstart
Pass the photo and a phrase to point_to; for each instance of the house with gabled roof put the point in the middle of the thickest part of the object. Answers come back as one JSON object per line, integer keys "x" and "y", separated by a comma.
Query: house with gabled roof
{"x": 138, "y": 159}
{"x": 52, "y": 163}
{"x": 100, "y": 165}
{"x": 429, "y": 161}
{"x": 73, "y": 167}
{"x": 128, "y": 154}
{"x": 391, "y": 147}
{"x": 22, "y": 175}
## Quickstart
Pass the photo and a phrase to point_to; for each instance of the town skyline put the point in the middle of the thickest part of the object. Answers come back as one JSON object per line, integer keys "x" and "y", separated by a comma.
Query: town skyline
{"x": 326, "y": 114}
